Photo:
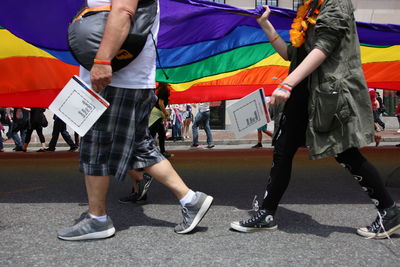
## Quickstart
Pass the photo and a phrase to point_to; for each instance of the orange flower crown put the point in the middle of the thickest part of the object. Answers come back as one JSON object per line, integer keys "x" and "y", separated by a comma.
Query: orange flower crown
{"x": 304, "y": 17}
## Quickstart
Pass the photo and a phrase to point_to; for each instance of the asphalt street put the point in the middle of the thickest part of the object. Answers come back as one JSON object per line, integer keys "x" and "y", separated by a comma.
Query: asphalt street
{"x": 317, "y": 220}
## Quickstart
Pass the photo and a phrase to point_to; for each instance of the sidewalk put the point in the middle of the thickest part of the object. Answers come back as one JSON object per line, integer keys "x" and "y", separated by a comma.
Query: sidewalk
{"x": 223, "y": 139}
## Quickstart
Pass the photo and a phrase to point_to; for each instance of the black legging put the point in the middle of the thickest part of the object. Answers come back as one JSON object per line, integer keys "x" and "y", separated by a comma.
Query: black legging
{"x": 39, "y": 131}
{"x": 291, "y": 136}
{"x": 158, "y": 128}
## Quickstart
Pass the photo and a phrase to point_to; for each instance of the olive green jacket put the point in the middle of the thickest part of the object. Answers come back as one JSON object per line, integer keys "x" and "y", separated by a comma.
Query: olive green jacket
{"x": 339, "y": 107}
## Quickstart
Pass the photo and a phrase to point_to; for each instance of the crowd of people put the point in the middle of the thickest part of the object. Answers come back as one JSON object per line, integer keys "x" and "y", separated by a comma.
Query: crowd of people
{"x": 332, "y": 120}
{"x": 21, "y": 122}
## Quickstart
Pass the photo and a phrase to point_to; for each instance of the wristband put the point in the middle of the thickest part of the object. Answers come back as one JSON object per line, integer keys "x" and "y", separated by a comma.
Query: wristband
{"x": 273, "y": 39}
{"x": 102, "y": 62}
{"x": 285, "y": 90}
{"x": 286, "y": 86}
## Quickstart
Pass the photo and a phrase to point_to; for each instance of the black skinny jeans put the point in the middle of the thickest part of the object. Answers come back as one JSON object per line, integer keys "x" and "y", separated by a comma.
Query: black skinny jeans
{"x": 39, "y": 131}
{"x": 158, "y": 128}
{"x": 291, "y": 136}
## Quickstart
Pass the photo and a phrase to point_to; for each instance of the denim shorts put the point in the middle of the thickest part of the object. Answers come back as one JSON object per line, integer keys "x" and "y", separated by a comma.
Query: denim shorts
{"x": 120, "y": 140}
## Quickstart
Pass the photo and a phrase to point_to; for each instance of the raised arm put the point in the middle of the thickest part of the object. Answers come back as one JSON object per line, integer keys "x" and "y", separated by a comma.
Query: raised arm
{"x": 277, "y": 42}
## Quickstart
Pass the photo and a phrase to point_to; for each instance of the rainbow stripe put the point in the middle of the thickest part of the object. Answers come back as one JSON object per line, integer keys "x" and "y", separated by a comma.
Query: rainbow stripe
{"x": 208, "y": 51}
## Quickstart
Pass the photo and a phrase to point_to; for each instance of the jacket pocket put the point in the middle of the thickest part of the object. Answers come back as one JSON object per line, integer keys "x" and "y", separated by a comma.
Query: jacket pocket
{"x": 331, "y": 110}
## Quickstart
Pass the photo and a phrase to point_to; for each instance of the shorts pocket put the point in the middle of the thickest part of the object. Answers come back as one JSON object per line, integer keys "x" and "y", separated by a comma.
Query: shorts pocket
{"x": 96, "y": 146}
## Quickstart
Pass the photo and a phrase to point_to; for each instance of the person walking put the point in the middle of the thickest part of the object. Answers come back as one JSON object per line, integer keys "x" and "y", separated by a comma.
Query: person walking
{"x": 120, "y": 140}
{"x": 187, "y": 120}
{"x": 37, "y": 121}
{"x": 324, "y": 104}
{"x": 59, "y": 127}
{"x": 202, "y": 118}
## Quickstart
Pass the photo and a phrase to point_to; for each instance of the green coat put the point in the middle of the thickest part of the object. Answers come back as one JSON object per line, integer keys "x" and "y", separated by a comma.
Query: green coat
{"x": 339, "y": 107}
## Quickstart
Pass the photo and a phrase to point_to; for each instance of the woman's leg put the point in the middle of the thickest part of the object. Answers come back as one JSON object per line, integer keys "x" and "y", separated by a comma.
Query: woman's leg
{"x": 367, "y": 176}
{"x": 39, "y": 132}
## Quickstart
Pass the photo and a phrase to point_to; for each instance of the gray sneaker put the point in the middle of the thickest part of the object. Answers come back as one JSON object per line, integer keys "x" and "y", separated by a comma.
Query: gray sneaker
{"x": 194, "y": 212}
{"x": 88, "y": 228}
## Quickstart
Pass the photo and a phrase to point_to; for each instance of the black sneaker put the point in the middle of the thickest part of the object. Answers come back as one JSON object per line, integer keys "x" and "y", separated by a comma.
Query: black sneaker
{"x": 210, "y": 146}
{"x": 386, "y": 223}
{"x": 258, "y": 145}
{"x": 131, "y": 198}
{"x": 144, "y": 186}
{"x": 262, "y": 220}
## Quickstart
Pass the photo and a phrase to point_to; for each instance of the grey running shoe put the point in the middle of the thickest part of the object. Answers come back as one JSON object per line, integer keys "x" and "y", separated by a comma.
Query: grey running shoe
{"x": 262, "y": 220}
{"x": 386, "y": 223}
{"x": 144, "y": 186}
{"x": 88, "y": 228}
{"x": 194, "y": 212}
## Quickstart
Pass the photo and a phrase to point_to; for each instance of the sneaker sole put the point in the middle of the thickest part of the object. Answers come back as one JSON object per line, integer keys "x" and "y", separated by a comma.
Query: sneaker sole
{"x": 200, "y": 215}
{"x": 126, "y": 202}
{"x": 97, "y": 235}
{"x": 145, "y": 189}
{"x": 236, "y": 226}
{"x": 383, "y": 235}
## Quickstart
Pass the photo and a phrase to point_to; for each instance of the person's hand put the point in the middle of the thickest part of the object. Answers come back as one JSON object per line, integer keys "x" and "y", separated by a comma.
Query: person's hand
{"x": 100, "y": 76}
{"x": 279, "y": 96}
{"x": 262, "y": 20}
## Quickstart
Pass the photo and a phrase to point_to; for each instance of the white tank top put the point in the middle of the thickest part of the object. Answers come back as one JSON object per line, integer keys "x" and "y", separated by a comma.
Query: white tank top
{"x": 141, "y": 72}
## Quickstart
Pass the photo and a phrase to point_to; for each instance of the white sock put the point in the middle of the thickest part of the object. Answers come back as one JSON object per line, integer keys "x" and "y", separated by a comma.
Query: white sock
{"x": 99, "y": 218}
{"x": 188, "y": 198}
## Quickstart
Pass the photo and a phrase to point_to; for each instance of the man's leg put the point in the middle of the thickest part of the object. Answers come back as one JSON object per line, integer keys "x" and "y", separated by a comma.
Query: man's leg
{"x": 207, "y": 129}
{"x": 96, "y": 224}
{"x": 97, "y": 189}
{"x": 195, "y": 129}
{"x": 164, "y": 173}
{"x": 194, "y": 205}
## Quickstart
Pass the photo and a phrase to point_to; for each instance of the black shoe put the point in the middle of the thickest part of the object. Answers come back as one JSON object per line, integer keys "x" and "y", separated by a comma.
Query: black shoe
{"x": 18, "y": 148}
{"x": 262, "y": 220}
{"x": 144, "y": 186}
{"x": 132, "y": 198}
{"x": 50, "y": 149}
{"x": 167, "y": 155}
{"x": 194, "y": 145}
{"x": 41, "y": 150}
{"x": 258, "y": 145}
{"x": 210, "y": 146}
{"x": 386, "y": 223}
{"x": 73, "y": 148}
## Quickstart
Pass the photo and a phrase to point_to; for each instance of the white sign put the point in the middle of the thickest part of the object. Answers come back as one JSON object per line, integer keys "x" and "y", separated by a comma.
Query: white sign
{"x": 249, "y": 113}
{"x": 78, "y": 105}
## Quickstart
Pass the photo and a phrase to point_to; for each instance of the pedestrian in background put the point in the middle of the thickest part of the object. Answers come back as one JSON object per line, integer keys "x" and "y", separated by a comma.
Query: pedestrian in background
{"x": 202, "y": 118}
{"x": 59, "y": 127}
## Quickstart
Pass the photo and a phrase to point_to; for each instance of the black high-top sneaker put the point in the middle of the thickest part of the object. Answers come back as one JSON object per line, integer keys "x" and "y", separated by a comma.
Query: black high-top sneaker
{"x": 386, "y": 223}
{"x": 262, "y": 220}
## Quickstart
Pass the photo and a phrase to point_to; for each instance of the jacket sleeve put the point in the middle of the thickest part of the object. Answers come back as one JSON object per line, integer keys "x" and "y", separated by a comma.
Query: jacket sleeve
{"x": 332, "y": 24}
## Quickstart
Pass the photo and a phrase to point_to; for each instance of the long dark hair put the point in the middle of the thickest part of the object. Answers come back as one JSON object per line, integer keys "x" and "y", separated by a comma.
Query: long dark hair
{"x": 163, "y": 88}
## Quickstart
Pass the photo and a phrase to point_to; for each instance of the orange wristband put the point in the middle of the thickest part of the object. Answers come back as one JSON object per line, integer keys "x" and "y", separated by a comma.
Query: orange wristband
{"x": 102, "y": 62}
{"x": 274, "y": 38}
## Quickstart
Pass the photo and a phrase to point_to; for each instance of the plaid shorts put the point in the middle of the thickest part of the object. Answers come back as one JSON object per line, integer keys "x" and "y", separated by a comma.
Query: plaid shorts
{"x": 120, "y": 140}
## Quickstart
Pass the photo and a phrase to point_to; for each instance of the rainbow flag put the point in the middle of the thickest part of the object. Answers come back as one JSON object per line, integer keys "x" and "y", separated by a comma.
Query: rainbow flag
{"x": 207, "y": 51}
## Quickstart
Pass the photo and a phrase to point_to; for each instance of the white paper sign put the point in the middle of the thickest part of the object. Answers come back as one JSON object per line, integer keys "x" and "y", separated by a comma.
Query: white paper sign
{"x": 78, "y": 105}
{"x": 249, "y": 113}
